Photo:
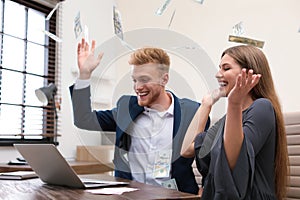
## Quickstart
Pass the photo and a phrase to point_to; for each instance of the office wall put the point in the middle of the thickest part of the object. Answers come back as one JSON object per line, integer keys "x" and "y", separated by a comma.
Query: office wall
{"x": 208, "y": 25}
{"x": 275, "y": 22}
{"x": 97, "y": 17}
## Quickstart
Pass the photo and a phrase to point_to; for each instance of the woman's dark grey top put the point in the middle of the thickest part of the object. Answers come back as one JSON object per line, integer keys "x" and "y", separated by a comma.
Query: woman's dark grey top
{"x": 253, "y": 175}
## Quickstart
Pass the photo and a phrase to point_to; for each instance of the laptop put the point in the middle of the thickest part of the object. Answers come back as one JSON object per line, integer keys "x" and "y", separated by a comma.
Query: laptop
{"x": 52, "y": 168}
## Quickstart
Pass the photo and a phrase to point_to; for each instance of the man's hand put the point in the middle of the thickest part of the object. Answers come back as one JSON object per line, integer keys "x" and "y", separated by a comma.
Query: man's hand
{"x": 86, "y": 59}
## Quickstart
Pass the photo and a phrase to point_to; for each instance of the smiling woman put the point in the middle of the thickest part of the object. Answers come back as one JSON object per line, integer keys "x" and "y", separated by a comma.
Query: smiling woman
{"x": 243, "y": 155}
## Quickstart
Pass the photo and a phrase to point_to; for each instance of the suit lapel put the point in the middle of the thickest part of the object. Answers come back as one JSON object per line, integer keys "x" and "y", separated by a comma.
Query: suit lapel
{"x": 129, "y": 110}
{"x": 177, "y": 115}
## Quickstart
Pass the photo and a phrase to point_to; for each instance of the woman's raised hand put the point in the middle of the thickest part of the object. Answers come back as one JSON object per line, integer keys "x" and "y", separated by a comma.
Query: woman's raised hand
{"x": 244, "y": 84}
{"x": 212, "y": 97}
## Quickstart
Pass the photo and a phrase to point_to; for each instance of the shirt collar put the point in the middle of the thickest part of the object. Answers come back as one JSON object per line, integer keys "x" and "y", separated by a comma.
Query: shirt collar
{"x": 169, "y": 111}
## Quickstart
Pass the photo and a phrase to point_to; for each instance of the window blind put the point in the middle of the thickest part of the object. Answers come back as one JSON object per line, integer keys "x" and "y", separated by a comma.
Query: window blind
{"x": 28, "y": 60}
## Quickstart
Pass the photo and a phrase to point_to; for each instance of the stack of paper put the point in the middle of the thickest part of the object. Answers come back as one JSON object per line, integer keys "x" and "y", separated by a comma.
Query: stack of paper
{"x": 18, "y": 175}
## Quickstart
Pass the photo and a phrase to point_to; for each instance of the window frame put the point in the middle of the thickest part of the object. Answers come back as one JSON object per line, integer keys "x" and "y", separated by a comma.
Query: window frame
{"x": 50, "y": 118}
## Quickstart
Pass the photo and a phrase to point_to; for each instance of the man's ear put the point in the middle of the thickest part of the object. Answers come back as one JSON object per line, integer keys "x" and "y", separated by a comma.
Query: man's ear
{"x": 165, "y": 79}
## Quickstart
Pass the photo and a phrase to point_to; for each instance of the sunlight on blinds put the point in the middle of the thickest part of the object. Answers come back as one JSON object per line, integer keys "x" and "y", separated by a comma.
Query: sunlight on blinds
{"x": 27, "y": 62}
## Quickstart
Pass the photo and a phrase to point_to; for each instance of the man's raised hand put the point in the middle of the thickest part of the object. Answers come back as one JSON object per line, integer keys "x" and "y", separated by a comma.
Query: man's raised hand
{"x": 87, "y": 62}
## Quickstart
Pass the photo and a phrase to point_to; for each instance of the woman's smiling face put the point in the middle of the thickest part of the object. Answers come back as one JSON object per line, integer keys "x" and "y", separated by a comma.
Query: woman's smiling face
{"x": 228, "y": 72}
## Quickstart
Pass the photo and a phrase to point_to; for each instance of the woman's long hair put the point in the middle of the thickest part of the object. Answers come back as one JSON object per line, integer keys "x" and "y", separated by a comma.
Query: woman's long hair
{"x": 250, "y": 57}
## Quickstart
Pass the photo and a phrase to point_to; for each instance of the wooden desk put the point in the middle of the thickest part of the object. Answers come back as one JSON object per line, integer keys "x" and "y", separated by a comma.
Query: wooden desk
{"x": 36, "y": 189}
{"x": 80, "y": 167}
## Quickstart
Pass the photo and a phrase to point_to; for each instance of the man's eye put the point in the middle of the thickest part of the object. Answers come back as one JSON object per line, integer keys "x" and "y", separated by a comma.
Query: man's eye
{"x": 144, "y": 80}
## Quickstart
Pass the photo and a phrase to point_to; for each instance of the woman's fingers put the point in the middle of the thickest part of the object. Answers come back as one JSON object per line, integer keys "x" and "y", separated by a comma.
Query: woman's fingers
{"x": 244, "y": 77}
{"x": 256, "y": 79}
{"x": 247, "y": 79}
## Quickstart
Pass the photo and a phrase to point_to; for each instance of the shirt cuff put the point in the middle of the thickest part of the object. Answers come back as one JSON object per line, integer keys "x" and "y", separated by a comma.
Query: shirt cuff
{"x": 80, "y": 84}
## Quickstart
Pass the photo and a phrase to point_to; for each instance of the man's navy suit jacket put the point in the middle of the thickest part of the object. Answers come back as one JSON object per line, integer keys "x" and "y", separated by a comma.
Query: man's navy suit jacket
{"x": 119, "y": 119}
